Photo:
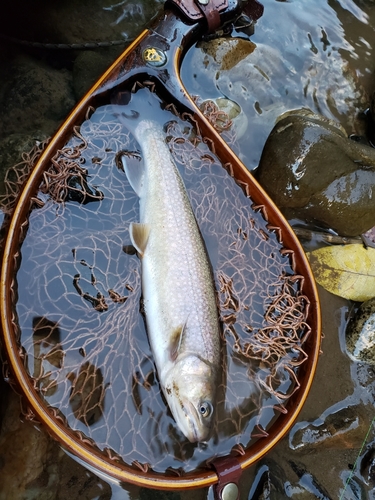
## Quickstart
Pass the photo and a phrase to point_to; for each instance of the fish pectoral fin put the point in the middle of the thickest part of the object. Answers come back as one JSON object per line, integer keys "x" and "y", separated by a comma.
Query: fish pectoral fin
{"x": 177, "y": 338}
{"x": 135, "y": 173}
{"x": 139, "y": 234}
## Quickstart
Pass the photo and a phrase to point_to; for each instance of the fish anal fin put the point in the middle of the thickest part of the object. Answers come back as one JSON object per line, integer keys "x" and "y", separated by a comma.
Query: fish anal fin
{"x": 139, "y": 234}
{"x": 177, "y": 338}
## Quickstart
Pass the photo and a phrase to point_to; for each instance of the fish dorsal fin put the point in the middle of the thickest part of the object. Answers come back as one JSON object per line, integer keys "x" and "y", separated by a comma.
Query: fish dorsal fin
{"x": 139, "y": 234}
{"x": 134, "y": 171}
{"x": 177, "y": 339}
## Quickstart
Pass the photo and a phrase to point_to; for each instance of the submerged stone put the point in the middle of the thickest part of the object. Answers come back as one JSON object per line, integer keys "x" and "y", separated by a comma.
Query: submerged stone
{"x": 269, "y": 481}
{"x": 354, "y": 490}
{"x": 34, "y": 467}
{"x": 340, "y": 429}
{"x": 364, "y": 376}
{"x": 35, "y": 96}
{"x": 360, "y": 334}
{"x": 266, "y": 82}
{"x": 314, "y": 172}
{"x": 227, "y": 52}
{"x": 229, "y": 115}
{"x": 367, "y": 467}
{"x": 309, "y": 483}
{"x": 89, "y": 66}
{"x": 14, "y": 147}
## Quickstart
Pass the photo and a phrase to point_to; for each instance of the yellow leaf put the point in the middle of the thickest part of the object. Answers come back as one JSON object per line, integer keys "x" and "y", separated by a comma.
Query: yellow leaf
{"x": 347, "y": 271}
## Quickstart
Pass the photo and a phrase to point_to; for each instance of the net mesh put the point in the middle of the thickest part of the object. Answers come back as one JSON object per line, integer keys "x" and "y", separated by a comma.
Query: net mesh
{"x": 78, "y": 314}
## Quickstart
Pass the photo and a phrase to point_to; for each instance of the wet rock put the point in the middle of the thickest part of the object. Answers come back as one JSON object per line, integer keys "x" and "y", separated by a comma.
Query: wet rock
{"x": 77, "y": 483}
{"x": 13, "y": 146}
{"x": 364, "y": 376}
{"x": 23, "y": 450}
{"x": 146, "y": 494}
{"x": 269, "y": 482}
{"x": 33, "y": 466}
{"x": 342, "y": 429}
{"x": 313, "y": 171}
{"x": 75, "y": 21}
{"x": 370, "y": 236}
{"x": 360, "y": 334}
{"x": 354, "y": 489}
{"x": 367, "y": 467}
{"x": 225, "y": 114}
{"x": 309, "y": 483}
{"x": 36, "y": 96}
{"x": 89, "y": 66}
{"x": 227, "y": 52}
{"x": 266, "y": 84}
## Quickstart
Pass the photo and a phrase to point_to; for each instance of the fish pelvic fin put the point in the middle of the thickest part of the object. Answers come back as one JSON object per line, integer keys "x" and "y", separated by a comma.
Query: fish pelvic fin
{"x": 134, "y": 172}
{"x": 177, "y": 341}
{"x": 139, "y": 234}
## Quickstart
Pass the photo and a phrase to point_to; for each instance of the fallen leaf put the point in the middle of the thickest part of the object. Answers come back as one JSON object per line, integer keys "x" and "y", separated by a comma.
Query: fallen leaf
{"x": 347, "y": 271}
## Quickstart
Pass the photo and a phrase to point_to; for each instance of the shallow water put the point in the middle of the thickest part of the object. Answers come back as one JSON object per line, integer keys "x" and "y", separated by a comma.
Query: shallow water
{"x": 316, "y": 54}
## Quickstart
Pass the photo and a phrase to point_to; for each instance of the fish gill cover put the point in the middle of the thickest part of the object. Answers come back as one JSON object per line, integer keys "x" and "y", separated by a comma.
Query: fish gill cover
{"x": 79, "y": 310}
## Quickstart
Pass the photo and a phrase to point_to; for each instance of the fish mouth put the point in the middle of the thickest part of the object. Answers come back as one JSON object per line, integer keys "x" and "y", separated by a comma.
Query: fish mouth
{"x": 192, "y": 431}
{"x": 193, "y": 436}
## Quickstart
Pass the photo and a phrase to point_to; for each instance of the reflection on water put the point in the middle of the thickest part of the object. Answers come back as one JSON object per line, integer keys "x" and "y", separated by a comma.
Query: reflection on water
{"x": 307, "y": 54}
{"x": 87, "y": 389}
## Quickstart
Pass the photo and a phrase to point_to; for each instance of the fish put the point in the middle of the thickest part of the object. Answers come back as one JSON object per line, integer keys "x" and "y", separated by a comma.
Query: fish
{"x": 179, "y": 298}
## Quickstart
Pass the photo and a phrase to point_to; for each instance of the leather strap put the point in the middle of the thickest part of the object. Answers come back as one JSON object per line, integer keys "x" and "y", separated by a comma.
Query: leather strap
{"x": 195, "y": 11}
{"x": 211, "y": 13}
{"x": 229, "y": 472}
{"x": 253, "y": 9}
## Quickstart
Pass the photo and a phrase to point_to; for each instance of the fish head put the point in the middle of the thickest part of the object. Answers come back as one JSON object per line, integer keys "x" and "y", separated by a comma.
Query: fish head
{"x": 190, "y": 389}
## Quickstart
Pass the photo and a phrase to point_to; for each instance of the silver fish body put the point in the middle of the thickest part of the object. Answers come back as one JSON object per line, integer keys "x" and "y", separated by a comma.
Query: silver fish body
{"x": 177, "y": 286}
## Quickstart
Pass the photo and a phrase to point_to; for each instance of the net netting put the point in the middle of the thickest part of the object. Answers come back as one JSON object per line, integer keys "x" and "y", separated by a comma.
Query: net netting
{"x": 78, "y": 307}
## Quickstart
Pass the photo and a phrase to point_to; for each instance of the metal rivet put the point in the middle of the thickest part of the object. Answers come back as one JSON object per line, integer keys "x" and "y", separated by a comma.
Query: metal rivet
{"x": 203, "y": 2}
{"x": 229, "y": 492}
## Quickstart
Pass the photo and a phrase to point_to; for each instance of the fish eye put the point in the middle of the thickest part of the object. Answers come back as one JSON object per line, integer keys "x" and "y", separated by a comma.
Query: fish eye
{"x": 205, "y": 409}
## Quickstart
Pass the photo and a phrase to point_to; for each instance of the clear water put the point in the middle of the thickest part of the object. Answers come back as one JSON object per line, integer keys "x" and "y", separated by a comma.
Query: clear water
{"x": 87, "y": 358}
